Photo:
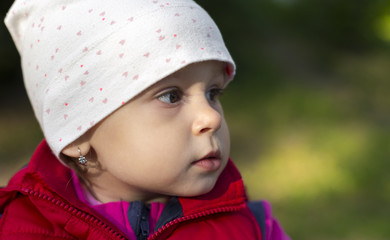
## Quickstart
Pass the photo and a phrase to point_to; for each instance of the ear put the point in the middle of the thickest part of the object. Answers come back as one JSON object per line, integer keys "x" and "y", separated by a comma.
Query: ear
{"x": 72, "y": 150}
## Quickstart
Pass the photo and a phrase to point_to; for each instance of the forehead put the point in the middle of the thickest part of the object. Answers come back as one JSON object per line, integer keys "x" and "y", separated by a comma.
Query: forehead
{"x": 200, "y": 71}
{"x": 207, "y": 71}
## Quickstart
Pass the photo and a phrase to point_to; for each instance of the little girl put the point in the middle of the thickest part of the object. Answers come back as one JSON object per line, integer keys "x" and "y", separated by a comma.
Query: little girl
{"x": 136, "y": 145}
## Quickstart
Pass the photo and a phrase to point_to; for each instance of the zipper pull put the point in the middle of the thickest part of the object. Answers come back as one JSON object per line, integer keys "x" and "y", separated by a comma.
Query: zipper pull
{"x": 138, "y": 216}
{"x": 144, "y": 225}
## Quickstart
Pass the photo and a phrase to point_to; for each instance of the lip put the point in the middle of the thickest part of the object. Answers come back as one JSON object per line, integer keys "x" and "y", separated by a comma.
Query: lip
{"x": 212, "y": 154}
{"x": 210, "y": 162}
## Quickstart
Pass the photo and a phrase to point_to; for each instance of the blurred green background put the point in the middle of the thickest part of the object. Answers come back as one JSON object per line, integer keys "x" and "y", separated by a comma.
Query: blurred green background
{"x": 309, "y": 111}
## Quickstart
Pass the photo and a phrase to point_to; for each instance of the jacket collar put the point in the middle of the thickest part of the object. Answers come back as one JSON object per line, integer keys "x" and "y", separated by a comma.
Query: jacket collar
{"x": 45, "y": 174}
{"x": 51, "y": 174}
{"x": 228, "y": 194}
{"x": 229, "y": 191}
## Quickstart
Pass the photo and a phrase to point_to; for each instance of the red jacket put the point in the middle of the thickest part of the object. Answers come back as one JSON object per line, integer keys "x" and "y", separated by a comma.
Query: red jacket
{"x": 40, "y": 203}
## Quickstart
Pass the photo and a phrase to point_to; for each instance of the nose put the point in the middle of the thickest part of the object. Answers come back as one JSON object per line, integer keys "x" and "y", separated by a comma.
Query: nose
{"x": 206, "y": 118}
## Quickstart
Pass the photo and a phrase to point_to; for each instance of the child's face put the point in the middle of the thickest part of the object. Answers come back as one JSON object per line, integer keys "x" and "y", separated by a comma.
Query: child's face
{"x": 154, "y": 145}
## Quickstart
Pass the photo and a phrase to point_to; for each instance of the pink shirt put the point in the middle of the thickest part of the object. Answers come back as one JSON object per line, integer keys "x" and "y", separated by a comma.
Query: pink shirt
{"x": 116, "y": 212}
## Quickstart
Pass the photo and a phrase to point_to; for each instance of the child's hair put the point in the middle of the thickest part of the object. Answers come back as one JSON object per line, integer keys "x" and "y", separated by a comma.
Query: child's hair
{"x": 84, "y": 59}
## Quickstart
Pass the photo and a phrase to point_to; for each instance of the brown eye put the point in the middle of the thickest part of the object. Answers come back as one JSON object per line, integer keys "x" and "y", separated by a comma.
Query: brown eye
{"x": 170, "y": 97}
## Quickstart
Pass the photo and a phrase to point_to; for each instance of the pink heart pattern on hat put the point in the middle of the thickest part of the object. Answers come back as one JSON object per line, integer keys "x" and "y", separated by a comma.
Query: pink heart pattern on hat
{"x": 95, "y": 56}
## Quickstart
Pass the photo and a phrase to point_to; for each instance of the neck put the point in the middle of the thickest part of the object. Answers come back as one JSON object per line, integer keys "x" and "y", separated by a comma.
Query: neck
{"x": 105, "y": 189}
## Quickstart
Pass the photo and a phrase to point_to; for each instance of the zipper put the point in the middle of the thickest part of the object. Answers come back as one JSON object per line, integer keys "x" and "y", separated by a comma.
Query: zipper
{"x": 192, "y": 217}
{"x": 138, "y": 215}
{"x": 75, "y": 212}
{"x": 115, "y": 235}
{"x": 144, "y": 225}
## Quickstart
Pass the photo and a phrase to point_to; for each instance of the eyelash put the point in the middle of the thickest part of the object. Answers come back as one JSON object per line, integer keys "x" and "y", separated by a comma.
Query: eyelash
{"x": 167, "y": 97}
{"x": 216, "y": 92}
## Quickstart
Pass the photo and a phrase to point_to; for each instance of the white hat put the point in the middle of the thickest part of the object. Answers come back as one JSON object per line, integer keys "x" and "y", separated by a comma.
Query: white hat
{"x": 83, "y": 59}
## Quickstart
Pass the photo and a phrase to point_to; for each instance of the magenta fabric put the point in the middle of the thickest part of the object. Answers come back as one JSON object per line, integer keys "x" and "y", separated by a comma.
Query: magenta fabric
{"x": 115, "y": 212}
{"x": 273, "y": 229}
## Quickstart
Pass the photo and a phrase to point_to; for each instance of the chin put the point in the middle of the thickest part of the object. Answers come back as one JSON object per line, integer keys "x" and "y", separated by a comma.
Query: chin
{"x": 200, "y": 190}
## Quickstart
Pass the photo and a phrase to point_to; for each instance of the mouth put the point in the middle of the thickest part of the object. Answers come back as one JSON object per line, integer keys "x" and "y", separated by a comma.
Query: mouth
{"x": 210, "y": 162}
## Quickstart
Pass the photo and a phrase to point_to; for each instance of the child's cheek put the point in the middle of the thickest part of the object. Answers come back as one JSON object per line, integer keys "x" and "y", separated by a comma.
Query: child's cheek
{"x": 163, "y": 110}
